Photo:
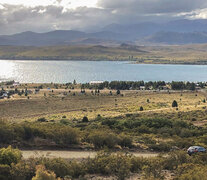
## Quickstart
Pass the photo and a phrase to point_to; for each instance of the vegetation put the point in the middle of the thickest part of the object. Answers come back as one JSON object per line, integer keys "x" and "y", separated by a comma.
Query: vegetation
{"x": 100, "y": 119}
{"x": 137, "y": 85}
{"x": 184, "y": 54}
{"x": 178, "y": 164}
{"x": 174, "y": 104}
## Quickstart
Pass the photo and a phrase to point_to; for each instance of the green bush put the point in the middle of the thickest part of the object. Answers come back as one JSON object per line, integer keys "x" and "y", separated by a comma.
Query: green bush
{"x": 161, "y": 147}
{"x": 101, "y": 139}
{"x": 64, "y": 121}
{"x": 175, "y": 159}
{"x": 43, "y": 174}
{"x": 195, "y": 172}
{"x": 59, "y": 166}
{"x": 110, "y": 164}
{"x": 24, "y": 170}
{"x": 125, "y": 141}
{"x": 9, "y": 156}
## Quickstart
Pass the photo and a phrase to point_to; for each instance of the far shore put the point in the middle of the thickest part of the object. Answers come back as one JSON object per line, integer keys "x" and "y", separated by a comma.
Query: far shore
{"x": 158, "y": 62}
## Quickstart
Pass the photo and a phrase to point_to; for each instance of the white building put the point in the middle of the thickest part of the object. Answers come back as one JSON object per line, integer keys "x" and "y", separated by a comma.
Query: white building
{"x": 96, "y": 82}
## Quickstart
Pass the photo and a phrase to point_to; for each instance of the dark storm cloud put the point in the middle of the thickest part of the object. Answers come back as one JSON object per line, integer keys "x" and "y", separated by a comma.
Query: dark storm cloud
{"x": 18, "y": 18}
{"x": 153, "y": 6}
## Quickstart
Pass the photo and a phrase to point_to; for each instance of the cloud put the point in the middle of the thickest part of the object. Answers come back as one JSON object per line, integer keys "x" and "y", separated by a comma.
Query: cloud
{"x": 19, "y": 18}
{"x": 196, "y": 14}
{"x": 153, "y": 6}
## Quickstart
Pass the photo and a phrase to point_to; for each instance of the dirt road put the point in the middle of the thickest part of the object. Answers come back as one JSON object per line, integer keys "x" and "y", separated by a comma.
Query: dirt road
{"x": 74, "y": 154}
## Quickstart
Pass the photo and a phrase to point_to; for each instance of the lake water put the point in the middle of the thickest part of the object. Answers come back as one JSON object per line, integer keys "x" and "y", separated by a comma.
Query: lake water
{"x": 86, "y": 71}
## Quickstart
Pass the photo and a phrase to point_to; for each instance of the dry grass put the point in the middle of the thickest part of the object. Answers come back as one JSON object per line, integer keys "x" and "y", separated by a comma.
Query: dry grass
{"x": 56, "y": 104}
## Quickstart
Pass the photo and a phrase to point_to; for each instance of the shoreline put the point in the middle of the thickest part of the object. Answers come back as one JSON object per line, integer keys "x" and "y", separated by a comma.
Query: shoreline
{"x": 108, "y": 60}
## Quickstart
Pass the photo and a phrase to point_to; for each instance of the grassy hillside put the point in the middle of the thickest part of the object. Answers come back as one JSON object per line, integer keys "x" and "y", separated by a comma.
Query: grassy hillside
{"x": 185, "y": 54}
{"x": 69, "y": 53}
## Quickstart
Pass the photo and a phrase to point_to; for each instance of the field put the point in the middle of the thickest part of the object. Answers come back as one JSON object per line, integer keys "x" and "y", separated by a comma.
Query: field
{"x": 75, "y": 134}
{"x": 55, "y": 103}
{"x": 182, "y": 54}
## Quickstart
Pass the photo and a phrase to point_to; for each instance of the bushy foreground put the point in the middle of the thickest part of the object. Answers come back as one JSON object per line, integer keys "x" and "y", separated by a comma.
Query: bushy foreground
{"x": 157, "y": 134}
{"x": 119, "y": 165}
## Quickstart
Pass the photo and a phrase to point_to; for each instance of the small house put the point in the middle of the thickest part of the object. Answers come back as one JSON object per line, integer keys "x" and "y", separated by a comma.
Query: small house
{"x": 142, "y": 88}
{"x": 15, "y": 84}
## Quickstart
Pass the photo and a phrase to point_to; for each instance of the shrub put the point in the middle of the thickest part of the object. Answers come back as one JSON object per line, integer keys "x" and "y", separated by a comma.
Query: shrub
{"x": 43, "y": 174}
{"x": 4, "y": 172}
{"x": 154, "y": 169}
{"x": 98, "y": 118}
{"x": 143, "y": 129}
{"x": 28, "y": 133}
{"x": 42, "y": 119}
{"x": 174, "y": 104}
{"x": 59, "y": 166}
{"x": 175, "y": 159}
{"x": 63, "y": 168}
{"x": 66, "y": 135}
{"x": 85, "y": 119}
{"x": 118, "y": 92}
{"x": 9, "y": 156}
{"x": 125, "y": 141}
{"x": 197, "y": 172}
{"x": 6, "y": 134}
{"x": 110, "y": 164}
{"x": 24, "y": 170}
{"x": 64, "y": 121}
{"x": 109, "y": 122}
{"x": 162, "y": 147}
{"x": 100, "y": 139}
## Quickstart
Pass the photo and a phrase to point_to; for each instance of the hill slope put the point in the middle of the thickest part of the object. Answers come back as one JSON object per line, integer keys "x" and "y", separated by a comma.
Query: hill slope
{"x": 177, "y": 38}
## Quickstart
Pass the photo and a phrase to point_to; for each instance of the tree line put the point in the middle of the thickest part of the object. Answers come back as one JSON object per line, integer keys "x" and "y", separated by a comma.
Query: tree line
{"x": 137, "y": 85}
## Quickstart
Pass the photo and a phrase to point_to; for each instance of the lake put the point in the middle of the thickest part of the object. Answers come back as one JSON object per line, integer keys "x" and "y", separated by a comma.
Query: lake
{"x": 86, "y": 71}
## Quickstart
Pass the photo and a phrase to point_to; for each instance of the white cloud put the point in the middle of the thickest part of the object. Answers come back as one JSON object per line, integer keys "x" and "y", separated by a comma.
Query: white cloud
{"x": 65, "y": 3}
{"x": 1, "y": 6}
{"x": 46, "y": 15}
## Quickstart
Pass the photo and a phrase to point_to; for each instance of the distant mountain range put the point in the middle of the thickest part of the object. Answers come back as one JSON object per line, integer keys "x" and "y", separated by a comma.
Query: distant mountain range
{"x": 174, "y": 32}
{"x": 60, "y": 37}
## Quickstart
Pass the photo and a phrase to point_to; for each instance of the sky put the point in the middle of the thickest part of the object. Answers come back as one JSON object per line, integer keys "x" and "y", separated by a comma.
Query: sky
{"x": 91, "y": 15}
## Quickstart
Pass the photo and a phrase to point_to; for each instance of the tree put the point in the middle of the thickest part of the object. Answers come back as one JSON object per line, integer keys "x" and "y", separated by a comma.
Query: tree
{"x": 85, "y": 119}
{"x": 174, "y": 104}
{"x": 118, "y": 92}
{"x": 141, "y": 108}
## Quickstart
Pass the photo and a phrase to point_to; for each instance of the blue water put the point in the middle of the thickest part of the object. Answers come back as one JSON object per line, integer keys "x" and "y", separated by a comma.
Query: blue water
{"x": 86, "y": 71}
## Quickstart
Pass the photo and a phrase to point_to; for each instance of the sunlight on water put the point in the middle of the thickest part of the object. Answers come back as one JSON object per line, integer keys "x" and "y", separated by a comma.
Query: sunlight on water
{"x": 7, "y": 70}
{"x": 85, "y": 71}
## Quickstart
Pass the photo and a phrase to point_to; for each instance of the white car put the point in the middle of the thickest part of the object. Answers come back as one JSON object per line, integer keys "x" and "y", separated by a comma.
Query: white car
{"x": 195, "y": 149}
